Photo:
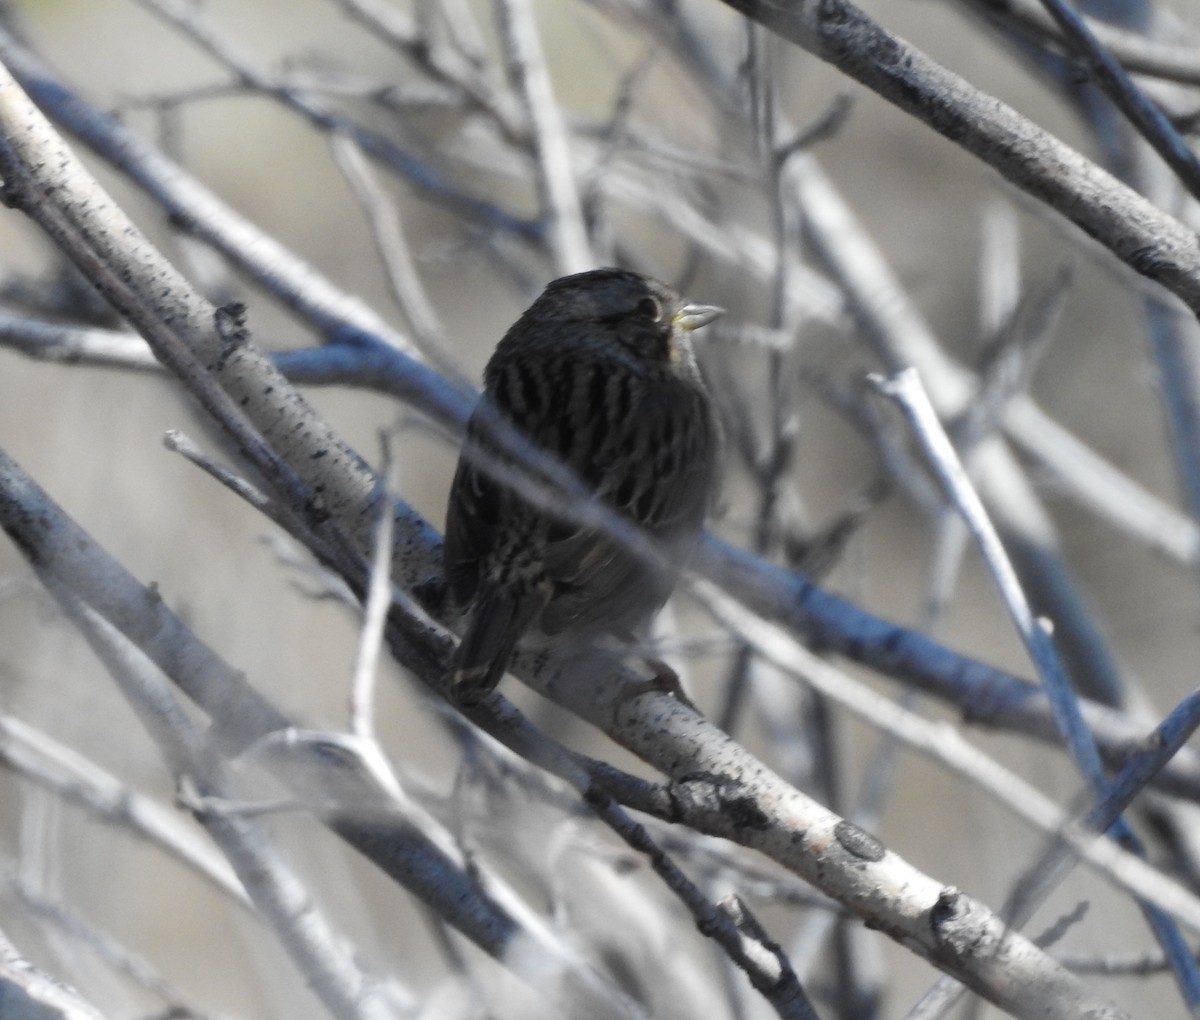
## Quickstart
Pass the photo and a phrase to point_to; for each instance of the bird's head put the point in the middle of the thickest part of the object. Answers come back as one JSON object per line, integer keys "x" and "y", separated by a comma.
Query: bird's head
{"x": 648, "y": 319}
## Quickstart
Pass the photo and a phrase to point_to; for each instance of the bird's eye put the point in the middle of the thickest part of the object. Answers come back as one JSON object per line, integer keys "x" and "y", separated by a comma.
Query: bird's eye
{"x": 650, "y": 308}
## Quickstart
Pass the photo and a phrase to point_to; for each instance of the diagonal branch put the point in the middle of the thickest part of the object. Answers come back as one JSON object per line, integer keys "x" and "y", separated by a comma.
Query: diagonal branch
{"x": 1135, "y": 230}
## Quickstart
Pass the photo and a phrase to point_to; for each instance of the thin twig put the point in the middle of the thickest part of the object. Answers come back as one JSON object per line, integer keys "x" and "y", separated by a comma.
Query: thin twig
{"x": 1134, "y": 103}
{"x": 84, "y": 936}
{"x": 379, "y": 601}
{"x": 383, "y": 217}
{"x": 1032, "y": 159}
{"x": 943, "y": 744}
{"x": 557, "y": 187}
{"x": 30, "y": 991}
{"x": 1158, "y": 58}
{"x": 906, "y": 390}
{"x": 193, "y": 21}
{"x": 317, "y": 949}
{"x": 40, "y": 759}
{"x": 179, "y": 442}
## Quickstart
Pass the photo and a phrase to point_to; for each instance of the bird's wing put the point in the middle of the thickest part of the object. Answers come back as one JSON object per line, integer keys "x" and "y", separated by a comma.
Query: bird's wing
{"x": 658, "y": 470}
{"x": 481, "y": 512}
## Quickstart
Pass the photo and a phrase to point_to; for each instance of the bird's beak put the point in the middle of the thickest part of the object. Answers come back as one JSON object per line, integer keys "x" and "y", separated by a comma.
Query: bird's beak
{"x": 692, "y": 317}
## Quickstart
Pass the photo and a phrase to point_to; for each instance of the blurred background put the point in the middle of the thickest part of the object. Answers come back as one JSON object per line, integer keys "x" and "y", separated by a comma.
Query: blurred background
{"x": 92, "y": 437}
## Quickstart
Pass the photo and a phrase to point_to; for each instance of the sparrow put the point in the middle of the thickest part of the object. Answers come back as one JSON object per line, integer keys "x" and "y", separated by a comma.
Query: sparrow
{"x": 599, "y": 373}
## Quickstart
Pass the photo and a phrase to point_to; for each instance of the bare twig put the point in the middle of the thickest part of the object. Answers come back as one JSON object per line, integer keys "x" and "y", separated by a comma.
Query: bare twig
{"x": 379, "y": 601}
{"x": 1171, "y": 61}
{"x": 42, "y": 760}
{"x": 1036, "y": 635}
{"x": 943, "y": 744}
{"x": 557, "y": 188}
{"x": 1132, "y": 228}
{"x": 1145, "y": 115}
{"x": 83, "y": 935}
{"x": 388, "y": 231}
{"x": 32, "y": 992}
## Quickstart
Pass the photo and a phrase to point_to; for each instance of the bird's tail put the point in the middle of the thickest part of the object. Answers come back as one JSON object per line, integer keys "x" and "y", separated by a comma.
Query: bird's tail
{"x": 483, "y": 655}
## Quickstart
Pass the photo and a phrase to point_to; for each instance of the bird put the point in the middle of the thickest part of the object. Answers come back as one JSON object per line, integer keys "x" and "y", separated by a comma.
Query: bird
{"x": 598, "y": 373}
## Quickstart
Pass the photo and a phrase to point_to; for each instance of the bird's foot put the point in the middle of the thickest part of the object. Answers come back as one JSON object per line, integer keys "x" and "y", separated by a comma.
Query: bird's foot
{"x": 664, "y": 681}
